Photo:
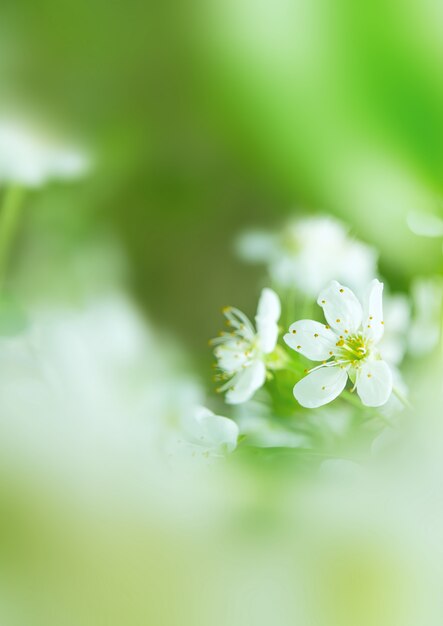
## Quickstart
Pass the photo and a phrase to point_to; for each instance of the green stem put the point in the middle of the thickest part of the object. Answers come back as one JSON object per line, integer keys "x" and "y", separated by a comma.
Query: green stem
{"x": 9, "y": 221}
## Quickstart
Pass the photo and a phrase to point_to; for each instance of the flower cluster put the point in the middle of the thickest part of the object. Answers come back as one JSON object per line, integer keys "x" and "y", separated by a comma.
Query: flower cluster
{"x": 357, "y": 348}
{"x": 347, "y": 347}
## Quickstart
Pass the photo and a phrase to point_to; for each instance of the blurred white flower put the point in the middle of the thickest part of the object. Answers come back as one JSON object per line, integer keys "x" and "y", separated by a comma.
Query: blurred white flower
{"x": 347, "y": 347}
{"x": 29, "y": 159}
{"x": 91, "y": 400}
{"x": 397, "y": 317}
{"x": 427, "y": 298}
{"x": 425, "y": 224}
{"x": 393, "y": 347}
{"x": 202, "y": 433}
{"x": 308, "y": 253}
{"x": 241, "y": 353}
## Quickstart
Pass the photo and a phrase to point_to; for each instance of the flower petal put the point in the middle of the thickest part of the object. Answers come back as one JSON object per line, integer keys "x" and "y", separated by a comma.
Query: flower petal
{"x": 341, "y": 308}
{"x": 246, "y": 383}
{"x": 373, "y": 323}
{"x": 214, "y": 431}
{"x": 232, "y": 355}
{"x": 268, "y": 314}
{"x": 311, "y": 339}
{"x": 374, "y": 383}
{"x": 320, "y": 387}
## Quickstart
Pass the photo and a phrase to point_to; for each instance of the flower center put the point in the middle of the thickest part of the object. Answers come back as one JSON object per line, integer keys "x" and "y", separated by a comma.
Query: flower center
{"x": 353, "y": 348}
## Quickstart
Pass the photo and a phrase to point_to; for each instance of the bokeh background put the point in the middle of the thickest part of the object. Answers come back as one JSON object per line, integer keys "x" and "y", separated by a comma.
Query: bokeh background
{"x": 205, "y": 119}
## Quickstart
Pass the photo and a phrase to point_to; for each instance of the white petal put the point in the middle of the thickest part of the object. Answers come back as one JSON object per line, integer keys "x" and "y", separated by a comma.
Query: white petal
{"x": 374, "y": 383}
{"x": 311, "y": 339}
{"x": 320, "y": 387}
{"x": 246, "y": 383}
{"x": 232, "y": 355}
{"x": 341, "y": 308}
{"x": 268, "y": 314}
{"x": 373, "y": 327}
{"x": 214, "y": 431}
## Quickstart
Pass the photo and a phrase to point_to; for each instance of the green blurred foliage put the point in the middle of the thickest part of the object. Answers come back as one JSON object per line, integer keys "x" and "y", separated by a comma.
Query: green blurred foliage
{"x": 208, "y": 118}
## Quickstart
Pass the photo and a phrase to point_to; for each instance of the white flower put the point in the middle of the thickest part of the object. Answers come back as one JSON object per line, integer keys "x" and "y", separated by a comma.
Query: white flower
{"x": 347, "y": 347}
{"x": 205, "y": 434}
{"x": 241, "y": 353}
{"x": 309, "y": 253}
{"x": 29, "y": 159}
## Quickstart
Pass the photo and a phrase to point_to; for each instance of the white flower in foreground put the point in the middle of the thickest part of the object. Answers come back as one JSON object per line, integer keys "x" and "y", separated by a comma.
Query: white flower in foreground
{"x": 205, "y": 434}
{"x": 241, "y": 353}
{"x": 347, "y": 347}
{"x": 308, "y": 253}
{"x": 30, "y": 159}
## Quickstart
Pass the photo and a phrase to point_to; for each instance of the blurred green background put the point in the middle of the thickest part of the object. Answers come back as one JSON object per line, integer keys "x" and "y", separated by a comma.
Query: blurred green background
{"x": 209, "y": 118}
{"x": 206, "y": 119}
